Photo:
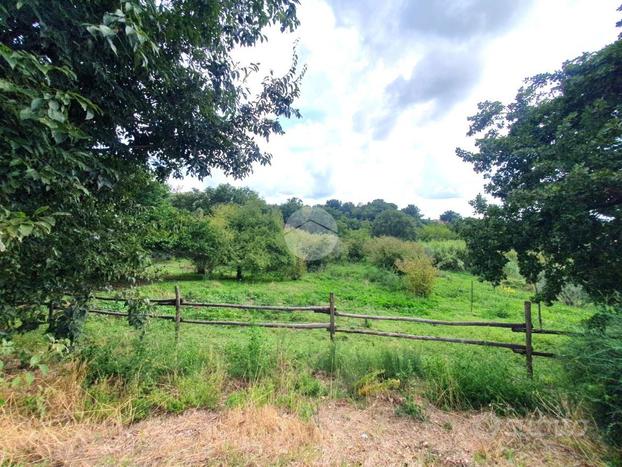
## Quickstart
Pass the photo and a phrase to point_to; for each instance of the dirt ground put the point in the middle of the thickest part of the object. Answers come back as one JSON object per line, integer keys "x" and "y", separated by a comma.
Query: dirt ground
{"x": 339, "y": 434}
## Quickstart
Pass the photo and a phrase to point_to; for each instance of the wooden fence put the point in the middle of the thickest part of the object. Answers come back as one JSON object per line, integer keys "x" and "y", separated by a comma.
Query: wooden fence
{"x": 332, "y": 327}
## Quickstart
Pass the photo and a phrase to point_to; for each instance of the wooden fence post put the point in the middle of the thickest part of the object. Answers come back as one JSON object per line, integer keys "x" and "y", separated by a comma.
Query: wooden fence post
{"x": 471, "y": 295}
{"x": 528, "y": 346}
{"x": 331, "y": 299}
{"x": 177, "y": 313}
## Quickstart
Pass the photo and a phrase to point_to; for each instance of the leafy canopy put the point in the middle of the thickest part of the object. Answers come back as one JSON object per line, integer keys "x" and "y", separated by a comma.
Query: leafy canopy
{"x": 553, "y": 161}
{"x": 96, "y": 98}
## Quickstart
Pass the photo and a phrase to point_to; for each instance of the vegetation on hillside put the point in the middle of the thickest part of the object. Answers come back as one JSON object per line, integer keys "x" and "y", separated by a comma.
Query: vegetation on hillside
{"x": 102, "y": 101}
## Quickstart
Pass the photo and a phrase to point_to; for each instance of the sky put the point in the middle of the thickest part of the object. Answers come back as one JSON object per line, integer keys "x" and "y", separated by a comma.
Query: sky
{"x": 390, "y": 84}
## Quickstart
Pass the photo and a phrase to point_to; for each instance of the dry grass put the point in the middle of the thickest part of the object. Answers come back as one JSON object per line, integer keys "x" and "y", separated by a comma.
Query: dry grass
{"x": 247, "y": 436}
{"x": 340, "y": 434}
{"x": 62, "y": 428}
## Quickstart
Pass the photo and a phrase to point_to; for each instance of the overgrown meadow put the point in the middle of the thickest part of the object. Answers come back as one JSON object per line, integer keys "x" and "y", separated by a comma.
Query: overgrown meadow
{"x": 128, "y": 374}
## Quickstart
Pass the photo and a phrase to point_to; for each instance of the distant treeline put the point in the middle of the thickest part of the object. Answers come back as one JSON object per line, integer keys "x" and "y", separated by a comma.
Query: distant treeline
{"x": 378, "y": 217}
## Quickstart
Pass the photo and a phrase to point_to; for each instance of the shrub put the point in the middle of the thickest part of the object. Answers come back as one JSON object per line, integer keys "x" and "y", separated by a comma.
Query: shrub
{"x": 435, "y": 231}
{"x": 419, "y": 274}
{"x": 449, "y": 255}
{"x": 355, "y": 245}
{"x": 573, "y": 295}
{"x": 385, "y": 251}
{"x": 594, "y": 365}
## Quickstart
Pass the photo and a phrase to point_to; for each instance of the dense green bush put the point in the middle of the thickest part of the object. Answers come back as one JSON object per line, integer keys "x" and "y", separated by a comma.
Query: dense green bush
{"x": 435, "y": 231}
{"x": 448, "y": 255}
{"x": 354, "y": 244}
{"x": 419, "y": 274}
{"x": 385, "y": 251}
{"x": 594, "y": 365}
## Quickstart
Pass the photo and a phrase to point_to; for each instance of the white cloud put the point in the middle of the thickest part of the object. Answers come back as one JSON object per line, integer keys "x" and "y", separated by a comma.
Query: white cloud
{"x": 334, "y": 152}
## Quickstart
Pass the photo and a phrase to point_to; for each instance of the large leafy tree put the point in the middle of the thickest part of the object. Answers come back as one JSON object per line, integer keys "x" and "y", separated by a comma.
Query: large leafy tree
{"x": 99, "y": 96}
{"x": 553, "y": 161}
{"x": 394, "y": 223}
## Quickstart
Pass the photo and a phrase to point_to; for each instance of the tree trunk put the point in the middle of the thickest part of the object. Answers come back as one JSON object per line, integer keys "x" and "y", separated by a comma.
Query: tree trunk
{"x": 238, "y": 274}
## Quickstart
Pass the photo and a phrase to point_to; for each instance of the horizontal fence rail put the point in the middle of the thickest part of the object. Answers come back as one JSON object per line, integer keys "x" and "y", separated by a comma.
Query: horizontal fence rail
{"x": 433, "y": 322}
{"x": 171, "y": 302}
{"x": 178, "y": 303}
{"x": 220, "y": 323}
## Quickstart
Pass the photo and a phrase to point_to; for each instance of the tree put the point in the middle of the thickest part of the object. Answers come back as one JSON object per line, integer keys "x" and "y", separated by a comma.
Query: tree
{"x": 450, "y": 217}
{"x": 394, "y": 223}
{"x": 553, "y": 161}
{"x": 290, "y": 207}
{"x": 370, "y": 211}
{"x": 98, "y": 97}
{"x": 435, "y": 231}
{"x": 413, "y": 211}
{"x": 204, "y": 242}
{"x": 258, "y": 244}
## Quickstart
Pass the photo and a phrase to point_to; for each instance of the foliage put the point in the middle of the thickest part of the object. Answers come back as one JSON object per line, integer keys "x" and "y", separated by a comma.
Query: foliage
{"x": 394, "y": 223}
{"x": 413, "y": 211}
{"x": 450, "y": 217}
{"x": 594, "y": 364}
{"x": 138, "y": 310}
{"x": 98, "y": 97}
{"x": 385, "y": 251}
{"x": 355, "y": 244}
{"x": 315, "y": 249}
{"x": 205, "y": 201}
{"x": 257, "y": 239}
{"x": 447, "y": 255}
{"x": 475, "y": 383}
{"x": 573, "y": 295}
{"x": 206, "y": 243}
{"x": 554, "y": 162}
{"x": 435, "y": 231}
{"x": 290, "y": 207}
{"x": 249, "y": 361}
{"x": 373, "y": 384}
{"x": 419, "y": 274}
{"x": 410, "y": 408}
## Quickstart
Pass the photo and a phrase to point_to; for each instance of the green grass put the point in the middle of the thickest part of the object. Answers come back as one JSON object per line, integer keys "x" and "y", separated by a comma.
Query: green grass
{"x": 293, "y": 368}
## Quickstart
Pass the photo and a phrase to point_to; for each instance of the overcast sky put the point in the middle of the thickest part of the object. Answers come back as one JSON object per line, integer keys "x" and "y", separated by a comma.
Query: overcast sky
{"x": 390, "y": 84}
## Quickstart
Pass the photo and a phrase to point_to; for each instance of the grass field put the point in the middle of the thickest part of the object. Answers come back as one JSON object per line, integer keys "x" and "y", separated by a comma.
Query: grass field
{"x": 122, "y": 375}
{"x": 292, "y": 368}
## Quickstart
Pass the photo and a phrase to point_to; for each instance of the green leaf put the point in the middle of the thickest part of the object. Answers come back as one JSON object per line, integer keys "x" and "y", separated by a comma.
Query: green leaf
{"x": 36, "y": 104}
{"x": 56, "y": 115}
{"x": 34, "y": 361}
{"x": 25, "y": 230}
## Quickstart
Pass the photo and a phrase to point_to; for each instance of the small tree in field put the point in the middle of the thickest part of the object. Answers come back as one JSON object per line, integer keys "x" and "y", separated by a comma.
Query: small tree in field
{"x": 257, "y": 244}
{"x": 205, "y": 243}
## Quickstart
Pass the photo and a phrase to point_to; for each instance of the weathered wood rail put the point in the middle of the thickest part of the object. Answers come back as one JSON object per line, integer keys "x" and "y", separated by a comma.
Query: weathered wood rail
{"x": 179, "y": 303}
